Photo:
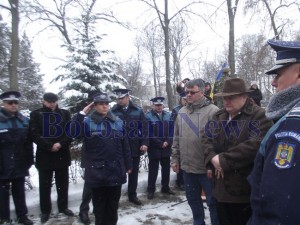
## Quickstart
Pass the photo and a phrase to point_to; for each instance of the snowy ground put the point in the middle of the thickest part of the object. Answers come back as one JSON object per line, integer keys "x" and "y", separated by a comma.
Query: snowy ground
{"x": 162, "y": 210}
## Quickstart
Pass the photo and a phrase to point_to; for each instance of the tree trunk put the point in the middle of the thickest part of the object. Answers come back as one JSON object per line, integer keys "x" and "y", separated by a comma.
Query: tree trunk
{"x": 167, "y": 56}
{"x": 231, "y": 56}
{"x": 13, "y": 62}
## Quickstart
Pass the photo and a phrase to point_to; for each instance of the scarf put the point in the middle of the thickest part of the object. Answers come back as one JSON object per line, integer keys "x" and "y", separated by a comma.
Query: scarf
{"x": 282, "y": 102}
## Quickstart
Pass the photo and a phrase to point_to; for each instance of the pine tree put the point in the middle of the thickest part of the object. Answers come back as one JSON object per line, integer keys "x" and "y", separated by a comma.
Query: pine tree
{"x": 88, "y": 71}
{"x": 4, "y": 55}
{"x": 30, "y": 79}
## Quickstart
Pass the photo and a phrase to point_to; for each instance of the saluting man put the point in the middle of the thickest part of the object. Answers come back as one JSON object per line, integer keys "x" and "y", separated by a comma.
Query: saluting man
{"x": 134, "y": 120}
{"x": 159, "y": 147}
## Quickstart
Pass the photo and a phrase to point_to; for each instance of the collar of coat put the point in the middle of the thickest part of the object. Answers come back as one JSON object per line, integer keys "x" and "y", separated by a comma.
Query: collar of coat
{"x": 4, "y": 116}
{"x": 198, "y": 104}
{"x": 248, "y": 109}
{"x": 98, "y": 118}
{"x": 282, "y": 102}
{"x": 119, "y": 107}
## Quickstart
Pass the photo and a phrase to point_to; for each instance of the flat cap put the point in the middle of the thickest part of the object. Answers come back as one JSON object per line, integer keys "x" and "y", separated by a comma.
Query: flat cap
{"x": 50, "y": 97}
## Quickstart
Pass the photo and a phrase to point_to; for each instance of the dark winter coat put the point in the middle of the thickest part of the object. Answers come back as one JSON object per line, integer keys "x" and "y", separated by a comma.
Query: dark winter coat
{"x": 275, "y": 177}
{"x": 107, "y": 153}
{"x": 135, "y": 126}
{"x": 47, "y": 128}
{"x": 16, "y": 149}
{"x": 256, "y": 95}
{"x": 159, "y": 131}
{"x": 237, "y": 143}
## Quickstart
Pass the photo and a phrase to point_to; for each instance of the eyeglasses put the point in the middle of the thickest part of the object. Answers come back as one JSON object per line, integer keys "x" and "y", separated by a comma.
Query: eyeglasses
{"x": 12, "y": 102}
{"x": 191, "y": 92}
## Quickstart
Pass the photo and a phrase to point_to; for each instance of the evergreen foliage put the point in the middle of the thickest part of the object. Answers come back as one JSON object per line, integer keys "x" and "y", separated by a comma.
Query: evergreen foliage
{"x": 30, "y": 79}
{"x": 89, "y": 70}
{"x": 4, "y": 55}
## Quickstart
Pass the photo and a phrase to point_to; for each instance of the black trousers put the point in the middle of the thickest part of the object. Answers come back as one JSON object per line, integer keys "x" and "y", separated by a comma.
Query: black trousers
{"x": 86, "y": 199}
{"x": 153, "y": 172}
{"x": 106, "y": 203}
{"x": 233, "y": 213}
{"x": 18, "y": 194}
{"x": 133, "y": 177}
{"x": 62, "y": 187}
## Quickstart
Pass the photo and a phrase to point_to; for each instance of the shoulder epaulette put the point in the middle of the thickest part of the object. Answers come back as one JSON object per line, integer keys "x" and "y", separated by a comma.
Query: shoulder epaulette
{"x": 295, "y": 112}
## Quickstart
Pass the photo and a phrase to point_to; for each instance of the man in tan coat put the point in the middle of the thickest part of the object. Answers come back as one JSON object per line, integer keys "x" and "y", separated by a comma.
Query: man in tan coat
{"x": 231, "y": 141}
{"x": 188, "y": 153}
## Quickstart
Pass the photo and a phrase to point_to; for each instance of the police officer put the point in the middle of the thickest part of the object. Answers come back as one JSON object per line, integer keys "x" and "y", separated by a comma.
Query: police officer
{"x": 52, "y": 154}
{"x": 134, "y": 120}
{"x": 275, "y": 177}
{"x": 159, "y": 147}
{"x": 16, "y": 157}
{"x": 107, "y": 155}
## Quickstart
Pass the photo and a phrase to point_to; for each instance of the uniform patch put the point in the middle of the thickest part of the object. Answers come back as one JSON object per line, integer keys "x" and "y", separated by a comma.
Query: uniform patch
{"x": 284, "y": 155}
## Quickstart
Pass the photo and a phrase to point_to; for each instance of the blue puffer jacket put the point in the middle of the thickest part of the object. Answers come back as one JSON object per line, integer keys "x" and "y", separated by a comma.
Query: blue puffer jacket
{"x": 16, "y": 150}
{"x": 275, "y": 179}
{"x": 135, "y": 125}
{"x": 107, "y": 152}
{"x": 159, "y": 131}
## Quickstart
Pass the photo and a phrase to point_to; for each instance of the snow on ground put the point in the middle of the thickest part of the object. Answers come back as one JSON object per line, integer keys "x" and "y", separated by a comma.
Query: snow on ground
{"x": 162, "y": 210}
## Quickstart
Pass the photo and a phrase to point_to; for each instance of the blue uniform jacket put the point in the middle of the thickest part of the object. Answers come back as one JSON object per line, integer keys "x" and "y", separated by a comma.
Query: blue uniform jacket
{"x": 159, "y": 131}
{"x": 275, "y": 179}
{"x": 16, "y": 150}
{"x": 107, "y": 153}
{"x": 135, "y": 126}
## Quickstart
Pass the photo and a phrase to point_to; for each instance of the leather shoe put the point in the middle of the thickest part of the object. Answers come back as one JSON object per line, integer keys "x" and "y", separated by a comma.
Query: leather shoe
{"x": 44, "y": 217}
{"x": 24, "y": 220}
{"x": 84, "y": 218}
{"x": 6, "y": 221}
{"x": 150, "y": 195}
{"x": 67, "y": 212}
{"x": 135, "y": 200}
{"x": 168, "y": 191}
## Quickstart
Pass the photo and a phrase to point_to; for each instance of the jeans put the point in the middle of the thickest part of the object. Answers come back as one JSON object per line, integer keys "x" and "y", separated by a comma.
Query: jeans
{"x": 194, "y": 184}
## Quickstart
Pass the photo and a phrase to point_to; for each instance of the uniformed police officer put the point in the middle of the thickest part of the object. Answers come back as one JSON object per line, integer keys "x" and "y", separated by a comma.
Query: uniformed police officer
{"x": 275, "y": 181}
{"x": 159, "y": 147}
{"x": 134, "y": 120}
{"x": 108, "y": 157}
{"x": 16, "y": 157}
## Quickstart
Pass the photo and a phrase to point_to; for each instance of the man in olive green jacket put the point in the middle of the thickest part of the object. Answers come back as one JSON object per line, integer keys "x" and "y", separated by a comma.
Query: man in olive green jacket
{"x": 231, "y": 141}
{"x": 188, "y": 153}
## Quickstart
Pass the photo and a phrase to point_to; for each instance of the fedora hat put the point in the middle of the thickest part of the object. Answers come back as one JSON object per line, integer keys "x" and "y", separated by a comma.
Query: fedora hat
{"x": 233, "y": 86}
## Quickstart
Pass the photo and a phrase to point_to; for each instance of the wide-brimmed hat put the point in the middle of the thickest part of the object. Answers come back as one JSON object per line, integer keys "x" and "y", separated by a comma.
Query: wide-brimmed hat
{"x": 233, "y": 86}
